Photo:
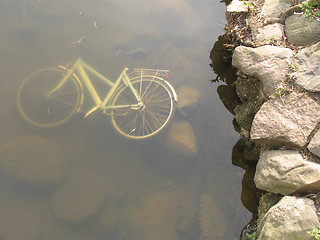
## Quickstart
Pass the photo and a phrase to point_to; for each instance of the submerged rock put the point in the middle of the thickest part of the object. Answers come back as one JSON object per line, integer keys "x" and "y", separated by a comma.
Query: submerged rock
{"x": 211, "y": 220}
{"x": 284, "y": 172}
{"x": 80, "y": 196}
{"x": 158, "y": 216}
{"x": 286, "y": 120}
{"x": 301, "y": 31}
{"x": 308, "y": 64}
{"x": 181, "y": 139}
{"x": 34, "y": 161}
{"x": 138, "y": 53}
{"x": 115, "y": 221}
{"x": 189, "y": 97}
{"x": 289, "y": 219}
{"x": 270, "y": 64}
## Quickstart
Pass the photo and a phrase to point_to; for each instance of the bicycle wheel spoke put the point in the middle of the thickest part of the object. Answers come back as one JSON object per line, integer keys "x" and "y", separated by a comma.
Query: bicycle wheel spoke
{"x": 155, "y": 119}
{"x": 61, "y": 100}
{"x": 157, "y": 97}
{"x": 156, "y": 111}
{"x": 148, "y": 92}
{"x": 160, "y": 118}
{"x": 124, "y": 123}
{"x": 152, "y": 127}
{"x": 41, "y": 109}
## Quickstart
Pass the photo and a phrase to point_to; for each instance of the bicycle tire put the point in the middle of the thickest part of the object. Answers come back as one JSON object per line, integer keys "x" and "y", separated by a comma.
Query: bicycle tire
{"x": 158, "y": 109}
{"x": 43, "y": 110}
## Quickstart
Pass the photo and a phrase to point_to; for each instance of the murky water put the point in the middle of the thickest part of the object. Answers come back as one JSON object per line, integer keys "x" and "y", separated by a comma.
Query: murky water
{"x": 84, "y": 180}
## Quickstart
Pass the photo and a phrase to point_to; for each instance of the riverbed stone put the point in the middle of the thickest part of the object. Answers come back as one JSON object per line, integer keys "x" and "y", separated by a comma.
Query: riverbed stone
{"x": 314, "y": 145}
{"x": 301, "y": 31}
{"x": 285, "y": 171}
{"x": 160, "y": 214}
{"x": 80, "y": 196}
{"x": 211, "y": 220}
{"x": 268, "y": 63}
{"x": 274, "y": 8}
{"x": 289, "y": 219}
{"x": 34, "y": 161}
{"x": 181, "y": 139}
{"x": 155, "y": 216}
{"x": 116, "y": 220}
{"x": 308, "y": 64}
{"x": 189, "y": 97}
{"x": 289, "y": 119}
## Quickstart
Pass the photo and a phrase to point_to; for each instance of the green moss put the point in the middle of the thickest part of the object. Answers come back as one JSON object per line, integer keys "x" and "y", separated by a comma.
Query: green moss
{"x": 252, "y": 236}
{"x": 267, "y": 200}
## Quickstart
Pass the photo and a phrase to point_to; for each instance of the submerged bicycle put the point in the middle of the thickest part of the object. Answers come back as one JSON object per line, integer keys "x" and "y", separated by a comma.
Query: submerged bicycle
{"x": 140, "y": 104}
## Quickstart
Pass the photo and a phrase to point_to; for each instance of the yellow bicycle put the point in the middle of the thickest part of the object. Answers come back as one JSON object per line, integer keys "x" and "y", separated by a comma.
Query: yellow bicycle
{"x": 140, "y": 104}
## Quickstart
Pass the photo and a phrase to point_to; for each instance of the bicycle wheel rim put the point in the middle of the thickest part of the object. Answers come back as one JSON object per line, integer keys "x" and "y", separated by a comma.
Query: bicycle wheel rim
{"x": 153, "y": 117}
{"x": 42, "y": 111}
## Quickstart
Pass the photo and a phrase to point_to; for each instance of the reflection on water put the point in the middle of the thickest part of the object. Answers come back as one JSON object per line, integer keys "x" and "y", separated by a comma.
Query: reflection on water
{"x": 84, "y": 181}
{"x": 244, "y": 153}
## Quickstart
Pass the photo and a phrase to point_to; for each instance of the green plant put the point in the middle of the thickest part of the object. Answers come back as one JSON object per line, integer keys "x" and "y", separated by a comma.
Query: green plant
{"x": 281, "y": 90}
{"x": 311, "y": 9}
{"x": 250, "y": 6}
{"x": 315, "y": 233}
{"x": 294, "y": 65}
{"x": 252, "y": 236}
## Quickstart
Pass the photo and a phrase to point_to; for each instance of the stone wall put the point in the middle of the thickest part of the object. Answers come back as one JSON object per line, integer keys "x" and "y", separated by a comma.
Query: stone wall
{"x": 275, "y": 44}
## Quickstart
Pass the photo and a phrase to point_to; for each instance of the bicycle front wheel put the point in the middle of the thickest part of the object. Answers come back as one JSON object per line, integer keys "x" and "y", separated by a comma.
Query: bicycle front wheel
{"x": 44, "y": 108}
{"x": 157, "y": 110}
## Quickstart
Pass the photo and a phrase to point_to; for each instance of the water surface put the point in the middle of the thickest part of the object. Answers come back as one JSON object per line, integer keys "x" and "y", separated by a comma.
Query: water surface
{"x": 150, "y": 191}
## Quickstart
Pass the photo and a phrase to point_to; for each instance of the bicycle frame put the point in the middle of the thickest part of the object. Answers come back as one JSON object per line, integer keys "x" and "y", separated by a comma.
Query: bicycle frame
{"x": 140, "y": 103}
{"x": 81, "y": 67}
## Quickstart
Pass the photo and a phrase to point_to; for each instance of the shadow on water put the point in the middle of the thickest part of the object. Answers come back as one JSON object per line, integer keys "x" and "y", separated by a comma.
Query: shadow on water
{"x": 244, "y": 155}
{"x": 83, "y": 180}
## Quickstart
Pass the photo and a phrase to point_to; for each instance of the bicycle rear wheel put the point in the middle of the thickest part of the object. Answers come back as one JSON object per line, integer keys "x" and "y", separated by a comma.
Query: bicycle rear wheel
{"x": 42, "y": 109}
{"x": 157, "y": 110}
